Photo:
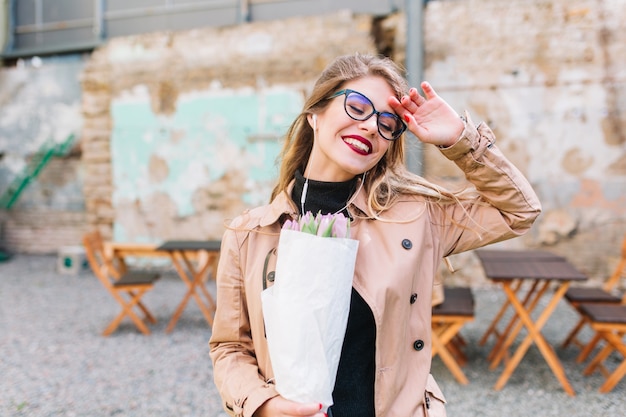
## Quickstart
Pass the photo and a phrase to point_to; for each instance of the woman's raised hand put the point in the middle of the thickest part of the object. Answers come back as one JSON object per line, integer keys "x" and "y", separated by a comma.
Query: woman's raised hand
{"x": 281, "y": 407}
{"x": 429, "y": 117}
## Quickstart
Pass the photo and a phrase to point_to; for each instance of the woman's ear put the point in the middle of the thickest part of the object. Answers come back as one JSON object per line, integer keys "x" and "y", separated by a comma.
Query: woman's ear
{"x": 312, "y": 118}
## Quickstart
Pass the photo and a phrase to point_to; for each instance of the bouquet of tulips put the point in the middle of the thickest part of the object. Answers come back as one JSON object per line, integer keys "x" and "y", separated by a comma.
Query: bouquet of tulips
{"x": 325, "y": 225}
{"x": 306, "y": 310}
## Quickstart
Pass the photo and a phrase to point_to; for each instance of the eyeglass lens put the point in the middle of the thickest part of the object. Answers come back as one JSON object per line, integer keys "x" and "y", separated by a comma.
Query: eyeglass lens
{"x": 361, "y": 108}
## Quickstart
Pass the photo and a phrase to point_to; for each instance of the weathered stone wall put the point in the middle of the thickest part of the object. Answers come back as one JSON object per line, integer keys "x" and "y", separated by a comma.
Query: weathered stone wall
{"x": 547, "y": 75}
{"x": 550, "y": 79}
{"x": 168, "y": 71}
{"x": 40, "y": 105}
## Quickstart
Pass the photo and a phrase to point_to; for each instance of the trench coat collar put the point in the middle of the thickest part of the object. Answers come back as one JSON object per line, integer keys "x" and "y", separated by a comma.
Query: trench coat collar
{"x": 284, "y": 205}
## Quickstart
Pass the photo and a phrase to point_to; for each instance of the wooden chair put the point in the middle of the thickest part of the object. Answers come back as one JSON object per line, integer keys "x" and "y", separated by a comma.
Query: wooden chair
{"x": 609, "y": 323}
{"x": 605, "y": 295}
{"x": 126, "y": 288}
{"x": 447, "y": 320}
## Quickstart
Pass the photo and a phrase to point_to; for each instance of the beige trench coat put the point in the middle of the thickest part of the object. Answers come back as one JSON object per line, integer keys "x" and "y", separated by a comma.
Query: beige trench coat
{"x": 395, "y": 266}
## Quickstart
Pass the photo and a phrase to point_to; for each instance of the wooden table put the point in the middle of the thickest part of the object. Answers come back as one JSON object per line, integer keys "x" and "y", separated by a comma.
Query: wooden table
{"x": 488, "y": 255}
{"x": 517, "y": 255}
{"x": 119, "y": 251}
{"x": 182, "y": 253}
{"x": 538, "y": 270}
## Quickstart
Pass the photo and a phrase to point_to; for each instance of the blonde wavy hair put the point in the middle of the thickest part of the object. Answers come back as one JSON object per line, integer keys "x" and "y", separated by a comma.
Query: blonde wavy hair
{"x": 390, "y": 178}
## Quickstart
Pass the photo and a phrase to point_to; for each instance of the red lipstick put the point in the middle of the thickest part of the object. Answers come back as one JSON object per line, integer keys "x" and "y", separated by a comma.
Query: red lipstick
{"x": 358, "y": 144}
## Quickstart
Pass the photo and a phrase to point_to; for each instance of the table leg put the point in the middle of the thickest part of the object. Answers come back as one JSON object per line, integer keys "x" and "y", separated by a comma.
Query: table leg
{"x": 179, "y": 258}
{"x": 501, "y": 336}
{"x": 493, "y": 329}
{"x": 208, "y": 307}
{"x": 529, "y": 303}
{"x": 210, "y": 302}
{"x": 534, "y": 334}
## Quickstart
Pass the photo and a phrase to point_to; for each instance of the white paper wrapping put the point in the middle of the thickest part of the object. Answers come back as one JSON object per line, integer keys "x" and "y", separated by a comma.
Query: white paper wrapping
{"x": 306, "y": 312}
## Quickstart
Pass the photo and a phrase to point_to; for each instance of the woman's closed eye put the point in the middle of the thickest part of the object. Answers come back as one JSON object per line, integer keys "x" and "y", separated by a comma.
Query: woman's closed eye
{"x": 385, "y": 126}
{"x": 357, "y": 110}
{"x": 388, "y": 122}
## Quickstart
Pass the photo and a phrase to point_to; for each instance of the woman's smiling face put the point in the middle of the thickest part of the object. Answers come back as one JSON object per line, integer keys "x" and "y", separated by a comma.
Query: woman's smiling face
{"x": 344, "y": 147}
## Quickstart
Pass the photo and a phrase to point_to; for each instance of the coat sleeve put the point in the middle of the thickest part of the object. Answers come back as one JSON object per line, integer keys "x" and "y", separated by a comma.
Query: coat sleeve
{"x": 505, "y": 205}
{"x": 235, "y": 369}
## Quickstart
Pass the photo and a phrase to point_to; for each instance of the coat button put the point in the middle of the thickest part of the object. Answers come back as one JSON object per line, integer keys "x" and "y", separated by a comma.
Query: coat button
{"x": 418, "y": 345}
{"x": 271, "y": 276}
{"x": 413, "y": 298}
{"x": 407, "y": 244}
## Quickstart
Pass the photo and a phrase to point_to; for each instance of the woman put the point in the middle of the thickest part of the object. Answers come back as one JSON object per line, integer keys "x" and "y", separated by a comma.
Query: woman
{"x": 345, "y": 153}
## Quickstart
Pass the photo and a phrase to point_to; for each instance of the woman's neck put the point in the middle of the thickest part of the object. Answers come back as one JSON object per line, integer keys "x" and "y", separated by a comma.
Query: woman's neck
{"x": 322, "y": 196}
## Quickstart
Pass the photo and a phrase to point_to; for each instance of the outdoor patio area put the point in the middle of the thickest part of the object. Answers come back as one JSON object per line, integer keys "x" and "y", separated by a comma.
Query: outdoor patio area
{"x": 55, "y": 362}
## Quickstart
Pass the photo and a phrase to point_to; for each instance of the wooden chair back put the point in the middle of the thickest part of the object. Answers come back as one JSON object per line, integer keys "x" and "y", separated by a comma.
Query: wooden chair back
{"x": 101, "y": 266}
{"x": 127, "y": 288}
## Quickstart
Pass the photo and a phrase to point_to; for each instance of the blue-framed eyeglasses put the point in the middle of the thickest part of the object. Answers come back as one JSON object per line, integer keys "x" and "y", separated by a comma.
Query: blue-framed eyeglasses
{"x": 361, "y": 108}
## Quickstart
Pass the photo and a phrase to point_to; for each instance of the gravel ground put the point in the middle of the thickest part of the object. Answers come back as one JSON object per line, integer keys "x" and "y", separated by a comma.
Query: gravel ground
{"x": 54, "y": 362}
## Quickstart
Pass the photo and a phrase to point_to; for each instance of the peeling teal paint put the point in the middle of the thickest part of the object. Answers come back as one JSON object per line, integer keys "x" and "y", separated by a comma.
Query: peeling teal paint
{"x": 210, "y": 134}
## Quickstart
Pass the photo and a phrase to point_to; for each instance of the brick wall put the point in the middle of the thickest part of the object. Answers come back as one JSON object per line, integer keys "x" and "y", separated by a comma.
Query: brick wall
{"x": 43, "y": 231}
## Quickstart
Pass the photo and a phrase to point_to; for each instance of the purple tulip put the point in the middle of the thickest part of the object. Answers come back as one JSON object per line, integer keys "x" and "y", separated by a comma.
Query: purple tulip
{"x": 292, "y": 225}
{"x": 308, "y": 223}
{"x": 341, "y": 226}
{"x": 325, "y": 227}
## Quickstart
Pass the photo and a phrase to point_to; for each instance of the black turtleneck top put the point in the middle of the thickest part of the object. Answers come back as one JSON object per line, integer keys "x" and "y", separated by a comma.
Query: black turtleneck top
{"x": 353, "y": 394}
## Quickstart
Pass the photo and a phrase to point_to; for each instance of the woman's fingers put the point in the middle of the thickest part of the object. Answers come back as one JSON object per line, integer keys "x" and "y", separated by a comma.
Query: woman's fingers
{"x": 416, "y": 97}
{"x": 308, "y": 410}
{"x": 428, "y": 116}
{"x": 412, "y": 100}
{"x": 428, "y": 89}
{"x": 279, "y": 406}
{"x": 408, "y": 103}
{"x": 412, "y": 106}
